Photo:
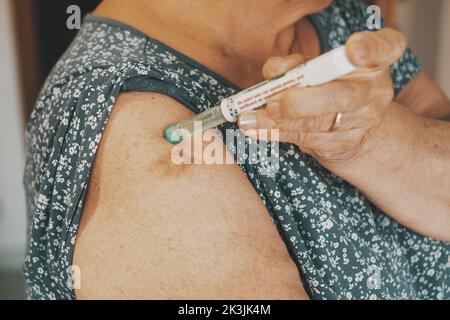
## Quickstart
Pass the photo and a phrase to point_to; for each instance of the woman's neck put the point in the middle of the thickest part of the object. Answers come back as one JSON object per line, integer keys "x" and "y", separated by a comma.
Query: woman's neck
{"x": 233, "y": 49}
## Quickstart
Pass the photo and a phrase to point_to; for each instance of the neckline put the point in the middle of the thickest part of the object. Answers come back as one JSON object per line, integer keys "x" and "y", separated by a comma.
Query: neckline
{"x": 92, "y": 18}
{"x": 178, "y": 54}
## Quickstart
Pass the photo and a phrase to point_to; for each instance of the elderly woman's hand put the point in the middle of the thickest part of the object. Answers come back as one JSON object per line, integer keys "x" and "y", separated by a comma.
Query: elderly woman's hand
{"x": 332, "y": 122}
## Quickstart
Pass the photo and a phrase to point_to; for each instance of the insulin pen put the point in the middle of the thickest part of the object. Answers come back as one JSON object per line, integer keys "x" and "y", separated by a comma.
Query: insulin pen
{"x": 323, "y": 69}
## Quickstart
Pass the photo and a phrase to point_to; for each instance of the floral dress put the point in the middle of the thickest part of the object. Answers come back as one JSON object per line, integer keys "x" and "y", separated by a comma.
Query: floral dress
{"x": 344, "y": 247}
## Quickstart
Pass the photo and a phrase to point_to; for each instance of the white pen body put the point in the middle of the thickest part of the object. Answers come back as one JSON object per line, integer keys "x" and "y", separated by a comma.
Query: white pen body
{"x": 323, "y": 69}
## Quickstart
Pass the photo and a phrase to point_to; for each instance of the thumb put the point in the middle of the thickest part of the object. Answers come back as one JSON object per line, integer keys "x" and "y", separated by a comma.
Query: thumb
{"x": 277, "y": 66}
{"x": 376, "y": 49}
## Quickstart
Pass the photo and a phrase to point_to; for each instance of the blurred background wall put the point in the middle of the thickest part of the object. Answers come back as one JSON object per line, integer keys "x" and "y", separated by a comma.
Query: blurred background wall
{"x": 12, "y": 206}
{"x": 426, "y": 24}
{"x": 443, "y": 63}
{"x": 32, "y": 37}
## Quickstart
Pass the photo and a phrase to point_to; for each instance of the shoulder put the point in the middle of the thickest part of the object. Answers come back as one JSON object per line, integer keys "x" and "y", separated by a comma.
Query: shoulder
{"x": 134, "y": 133}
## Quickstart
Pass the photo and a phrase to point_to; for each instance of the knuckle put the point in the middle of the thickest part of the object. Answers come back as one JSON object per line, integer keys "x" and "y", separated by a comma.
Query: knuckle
{"x": 289, "y": 103}
{"x": 293, "y": 137}
{"x": 302, "y": 138}
{"x": 265, "y": 122}
{"x": 385, "y": 93}
{"x": 313, "y": 123}
{"x": 364, "y": 91}
{"x": 321, "y": 123}
{"x": 389, "y": 93}
{"x": 296, "y": 136}
{"x": 342, "y": 96}
{"x": 386, "y": 78}
{"x": 379, "y": 89}
{"x": 290, "y": 126}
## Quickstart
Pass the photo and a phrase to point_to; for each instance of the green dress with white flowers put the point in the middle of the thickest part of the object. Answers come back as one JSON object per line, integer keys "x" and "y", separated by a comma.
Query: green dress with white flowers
{"x": 344, "y": 247}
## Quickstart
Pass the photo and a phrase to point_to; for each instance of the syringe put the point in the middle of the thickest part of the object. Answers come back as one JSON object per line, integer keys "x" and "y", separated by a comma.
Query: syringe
{"x": 323, "y": 69}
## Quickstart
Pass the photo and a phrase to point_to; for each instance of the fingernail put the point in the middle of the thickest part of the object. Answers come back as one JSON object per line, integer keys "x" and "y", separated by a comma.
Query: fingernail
{"x": 247, "y": 121}
{"x": 273, "y": 110}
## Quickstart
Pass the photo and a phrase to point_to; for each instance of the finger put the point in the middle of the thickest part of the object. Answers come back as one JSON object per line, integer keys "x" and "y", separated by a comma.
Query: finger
{"x": 330, "y": 98}
{"x": 259, "y": 126}
{"x": 277, "y": 135}
{"x": 256, "y": 120}
{"x": 260, "y": 120}
{"x": 334, "y": 146}
{"x": 375, "y": 49}
{"x": 318, "y": 143}
{"x": 277, "y": 66}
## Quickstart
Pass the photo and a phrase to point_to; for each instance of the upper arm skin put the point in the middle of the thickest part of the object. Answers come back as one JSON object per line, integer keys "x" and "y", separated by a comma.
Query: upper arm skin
{"x": 424, "y": 96}
{"x": 154, "y": 230}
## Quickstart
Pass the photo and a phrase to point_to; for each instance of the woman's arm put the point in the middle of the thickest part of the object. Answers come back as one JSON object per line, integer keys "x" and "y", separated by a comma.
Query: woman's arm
{"x": 154, "y": 230}
{"x": 406, "y": 171}
{"x": 412, "y": 157}
{"x": 424, "y": 96}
